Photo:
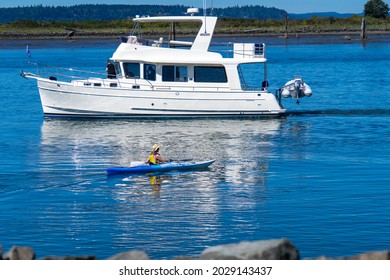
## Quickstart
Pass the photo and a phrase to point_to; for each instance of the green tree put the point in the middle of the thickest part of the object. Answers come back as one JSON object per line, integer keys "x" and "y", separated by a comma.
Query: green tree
{"x": 376, "y": 9}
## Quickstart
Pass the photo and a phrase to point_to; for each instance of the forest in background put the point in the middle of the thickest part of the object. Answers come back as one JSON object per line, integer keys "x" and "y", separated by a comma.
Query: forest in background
{"x": 116, "y": 20}
{"x": 120, "y": 12}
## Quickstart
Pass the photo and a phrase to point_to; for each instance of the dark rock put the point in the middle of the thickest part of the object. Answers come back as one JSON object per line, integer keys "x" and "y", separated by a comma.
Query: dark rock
{"x": 277, "y": 249}
{"x": 69, "y": 258}
{"x": 20, "y": 253}
{"x": 80, "y": 258}
{"x": 130, "y": 255}
{"x": 56, "y": 258}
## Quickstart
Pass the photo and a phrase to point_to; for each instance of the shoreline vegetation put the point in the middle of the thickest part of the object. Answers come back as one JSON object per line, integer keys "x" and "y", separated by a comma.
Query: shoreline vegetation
{"x": 294, "y": 28}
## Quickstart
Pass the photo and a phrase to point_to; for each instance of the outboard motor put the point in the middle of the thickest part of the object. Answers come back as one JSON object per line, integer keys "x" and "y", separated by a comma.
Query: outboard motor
{"x": 296, "y": 89}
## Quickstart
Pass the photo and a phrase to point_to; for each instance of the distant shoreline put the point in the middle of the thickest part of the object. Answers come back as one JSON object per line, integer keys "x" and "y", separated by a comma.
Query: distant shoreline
{"x": 224, "y": 33}
{"x": 342, "y": 37}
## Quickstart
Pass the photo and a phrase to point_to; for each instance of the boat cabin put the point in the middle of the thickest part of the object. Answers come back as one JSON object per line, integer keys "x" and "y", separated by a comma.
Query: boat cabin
{"x": 186, "y": 63}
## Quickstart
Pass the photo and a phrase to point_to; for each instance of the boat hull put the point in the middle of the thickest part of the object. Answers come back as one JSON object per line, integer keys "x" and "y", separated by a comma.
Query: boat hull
{"x": 69, "y": 100}
{"x": 164, "y": 167}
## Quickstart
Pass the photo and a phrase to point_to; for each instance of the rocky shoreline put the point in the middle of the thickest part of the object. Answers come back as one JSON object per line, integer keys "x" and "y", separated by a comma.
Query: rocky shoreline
{"x": 275, "y": 249}
{"x": 58, "y": 39}
{"x": 95, "y": 34}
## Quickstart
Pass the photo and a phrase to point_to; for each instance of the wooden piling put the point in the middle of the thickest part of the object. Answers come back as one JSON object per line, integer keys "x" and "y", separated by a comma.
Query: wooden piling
{"x": 286, "y": 26}
{"x": 363, "y": 33}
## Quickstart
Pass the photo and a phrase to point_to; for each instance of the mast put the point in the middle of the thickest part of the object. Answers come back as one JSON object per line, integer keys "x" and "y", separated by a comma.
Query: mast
{"x": 204, "y": 14}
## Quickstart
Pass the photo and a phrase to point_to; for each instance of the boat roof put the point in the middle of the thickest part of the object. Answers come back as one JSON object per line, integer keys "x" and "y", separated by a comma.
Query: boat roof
{"x": 198, "y": 53}
{"x": 205, "y": 33}
{"x": 163, "y": 55}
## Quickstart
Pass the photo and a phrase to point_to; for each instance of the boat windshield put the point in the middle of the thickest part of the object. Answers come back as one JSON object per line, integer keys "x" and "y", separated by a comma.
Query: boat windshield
{"x": 252, "y": 76}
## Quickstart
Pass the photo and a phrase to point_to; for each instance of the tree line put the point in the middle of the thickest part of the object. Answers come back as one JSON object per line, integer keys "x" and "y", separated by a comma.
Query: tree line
{"x": 103, "y": 12}
{"x": 118, "y": 18}
{"x": 119, "y": 12}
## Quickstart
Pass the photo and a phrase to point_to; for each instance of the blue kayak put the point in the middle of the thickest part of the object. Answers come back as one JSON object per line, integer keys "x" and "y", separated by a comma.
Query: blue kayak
{"x": 163, "y": 167}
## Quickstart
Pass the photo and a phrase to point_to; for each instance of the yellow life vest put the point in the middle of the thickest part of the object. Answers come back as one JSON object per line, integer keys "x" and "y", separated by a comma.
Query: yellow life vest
{"x": 152, "y": 159}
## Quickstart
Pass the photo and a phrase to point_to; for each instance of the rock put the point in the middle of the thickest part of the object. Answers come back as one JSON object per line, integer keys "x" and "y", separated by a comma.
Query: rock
{"x": 319, "y": 258}
{"x": 130, "y": 255}
{"x": 276, "y": 249}
{"x": 56, "y": 258}
{"x": 20, "y": 253}
{"x": 378, "y": 255}
{"x": 69, "y": 258}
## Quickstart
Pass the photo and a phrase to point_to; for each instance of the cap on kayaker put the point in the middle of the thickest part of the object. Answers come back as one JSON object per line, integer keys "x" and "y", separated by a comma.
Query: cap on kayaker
{"x": 155, "y": 148}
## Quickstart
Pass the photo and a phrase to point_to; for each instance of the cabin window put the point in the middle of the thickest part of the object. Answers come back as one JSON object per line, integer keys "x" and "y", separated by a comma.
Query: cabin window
{"x": 209, "y": 74}
{"x": 150, "y": 72}
{"x": 172, "y": 73}
{"x": 253, "y": 76}
{"x": 131, "y": 70}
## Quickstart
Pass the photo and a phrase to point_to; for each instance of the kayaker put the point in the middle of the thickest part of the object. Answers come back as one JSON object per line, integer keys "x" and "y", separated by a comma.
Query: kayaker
{"x": 155, "y": 157}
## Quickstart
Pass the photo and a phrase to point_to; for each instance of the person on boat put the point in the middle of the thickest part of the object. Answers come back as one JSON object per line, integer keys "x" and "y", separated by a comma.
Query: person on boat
{"x": 155, "y": 157}
{"x": 150, "y": 74}
{"x": 111, "y": 73}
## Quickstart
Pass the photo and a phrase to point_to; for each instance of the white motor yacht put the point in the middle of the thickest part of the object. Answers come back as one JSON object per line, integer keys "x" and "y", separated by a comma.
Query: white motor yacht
{"x": 166, "y": 78}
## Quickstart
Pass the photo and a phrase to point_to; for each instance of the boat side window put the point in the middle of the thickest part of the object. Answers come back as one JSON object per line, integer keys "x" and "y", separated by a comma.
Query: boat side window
{"x": 253, "y": 76}
{"x": 172, "y": 73}
{"x": 210, "y": 74}
{"x": 131, "y": 70}
{"x": 118, "y": 68}
{"x": 150, "y": 72}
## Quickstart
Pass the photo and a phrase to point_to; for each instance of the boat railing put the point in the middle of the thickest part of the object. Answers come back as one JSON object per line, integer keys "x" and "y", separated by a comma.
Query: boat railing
{"x": 226, "y": 49}
{"x": 239, "y": 50}
{"x": 85, "y": 77}
{"x": 98, "y": 79}
{"x": 55, "y": 72}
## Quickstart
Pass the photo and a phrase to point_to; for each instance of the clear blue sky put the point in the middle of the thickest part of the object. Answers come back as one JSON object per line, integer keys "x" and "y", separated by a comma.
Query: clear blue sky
{"x": 291, "y": 6}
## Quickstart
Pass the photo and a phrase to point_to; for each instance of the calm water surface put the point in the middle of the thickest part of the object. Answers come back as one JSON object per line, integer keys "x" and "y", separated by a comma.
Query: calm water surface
{"x": 319, "y": 176}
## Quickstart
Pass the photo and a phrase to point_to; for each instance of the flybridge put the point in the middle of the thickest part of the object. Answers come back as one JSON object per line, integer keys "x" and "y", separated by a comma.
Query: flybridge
{"x": 203, "y": 38}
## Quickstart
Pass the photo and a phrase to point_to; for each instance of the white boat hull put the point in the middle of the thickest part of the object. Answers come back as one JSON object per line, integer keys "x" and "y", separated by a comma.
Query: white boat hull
{"x": 69, "y": 100}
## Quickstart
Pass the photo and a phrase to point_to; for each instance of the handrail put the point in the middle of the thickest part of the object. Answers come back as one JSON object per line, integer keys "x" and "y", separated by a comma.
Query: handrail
{"x": 70, "y": 74}
{"x": 74, "y": 74}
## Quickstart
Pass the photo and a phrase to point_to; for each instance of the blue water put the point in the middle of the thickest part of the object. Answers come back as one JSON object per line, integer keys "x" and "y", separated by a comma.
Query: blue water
{"x": 319, "y": 177}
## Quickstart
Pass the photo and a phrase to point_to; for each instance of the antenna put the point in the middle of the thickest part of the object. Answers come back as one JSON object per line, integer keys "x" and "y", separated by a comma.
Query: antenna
{"x": 204, "y": 13}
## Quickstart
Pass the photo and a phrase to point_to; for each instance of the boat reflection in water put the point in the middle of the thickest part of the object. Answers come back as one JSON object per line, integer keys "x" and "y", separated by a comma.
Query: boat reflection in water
{"x": 192, "y": 203}
{"x": 97, "y": 144}
{"x": 94, "y": 145}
